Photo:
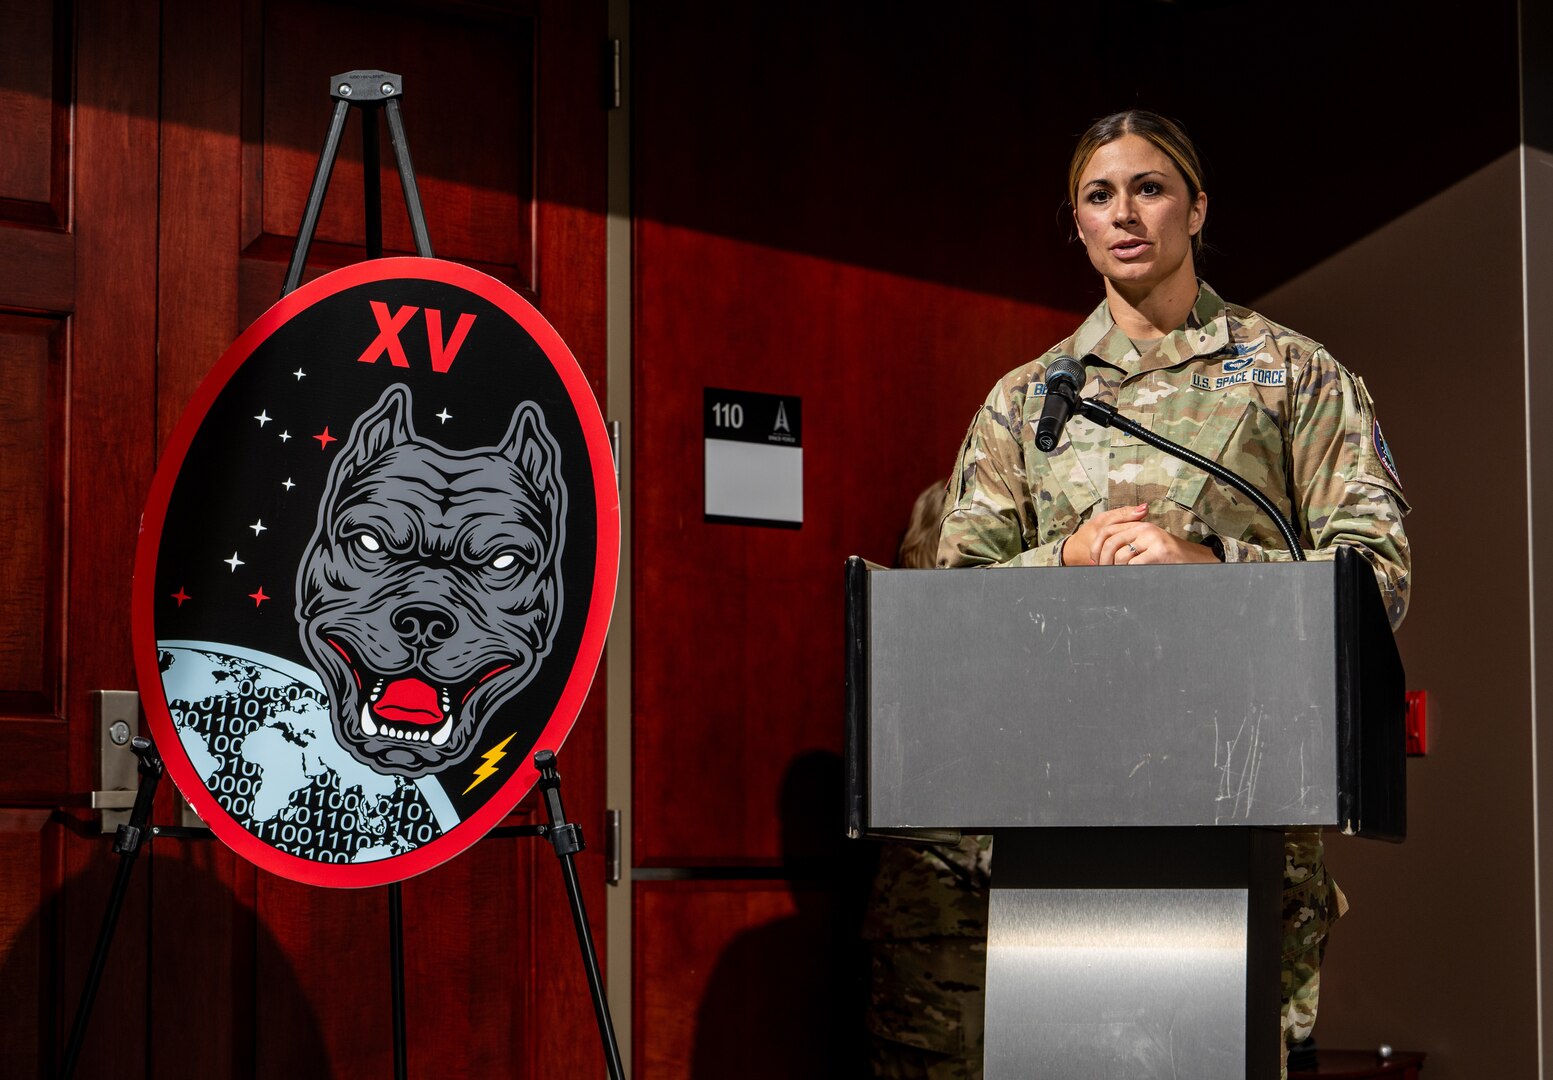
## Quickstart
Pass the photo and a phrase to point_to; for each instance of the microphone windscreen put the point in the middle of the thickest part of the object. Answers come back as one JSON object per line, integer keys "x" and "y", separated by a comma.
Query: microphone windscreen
{"x": 1065, "y": 369}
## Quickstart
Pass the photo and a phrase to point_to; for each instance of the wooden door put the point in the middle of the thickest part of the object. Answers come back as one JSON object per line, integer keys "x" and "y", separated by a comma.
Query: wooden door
{"x": 148, "y": 202}
{"x": 77, "y": 439}
{"x": 851, "y": 224}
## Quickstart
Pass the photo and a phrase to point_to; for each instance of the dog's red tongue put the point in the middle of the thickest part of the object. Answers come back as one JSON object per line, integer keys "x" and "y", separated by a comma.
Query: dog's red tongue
{"x": 409, "y": 701}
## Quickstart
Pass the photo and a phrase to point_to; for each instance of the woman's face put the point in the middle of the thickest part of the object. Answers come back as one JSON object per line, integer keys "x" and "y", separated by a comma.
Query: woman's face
{"x": 1134, "y": 215}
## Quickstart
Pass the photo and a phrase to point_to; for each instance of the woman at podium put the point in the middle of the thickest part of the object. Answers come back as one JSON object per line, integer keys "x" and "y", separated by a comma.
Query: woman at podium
{"x": 1231, "y": 385}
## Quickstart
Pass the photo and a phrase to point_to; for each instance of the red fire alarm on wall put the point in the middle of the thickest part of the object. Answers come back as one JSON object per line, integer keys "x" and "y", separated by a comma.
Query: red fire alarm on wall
{"x": 1415, "y": 723}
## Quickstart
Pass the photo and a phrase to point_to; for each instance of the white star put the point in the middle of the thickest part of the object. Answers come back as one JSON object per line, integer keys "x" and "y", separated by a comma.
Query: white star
{"x": 263, "y": 417}
{"x": 285, "y": 436}
{"x": 444, "y": 415}
{"x": 257, "y": 527}
{"x": 299, "y": 373}
{"x": 287, "y": 484}
{"x": 234, "y": 562}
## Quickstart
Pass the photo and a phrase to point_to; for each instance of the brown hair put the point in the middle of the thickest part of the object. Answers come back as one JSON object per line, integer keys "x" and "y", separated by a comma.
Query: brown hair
{"x": 919, "y": 547}
{"x": 1162, "y": 131}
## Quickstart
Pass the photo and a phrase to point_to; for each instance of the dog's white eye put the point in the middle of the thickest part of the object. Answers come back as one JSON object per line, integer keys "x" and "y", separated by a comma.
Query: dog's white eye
{"x": 369, "y": 542}
{"x": 501, "y": 562}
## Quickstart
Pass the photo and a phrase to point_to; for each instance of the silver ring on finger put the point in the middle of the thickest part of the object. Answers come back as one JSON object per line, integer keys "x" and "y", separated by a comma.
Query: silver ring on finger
{"x": 1132, "y": 547}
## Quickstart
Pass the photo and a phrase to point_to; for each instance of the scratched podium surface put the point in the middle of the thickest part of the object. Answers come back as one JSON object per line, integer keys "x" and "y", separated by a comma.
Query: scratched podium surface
{"x": 1253, "y": 695}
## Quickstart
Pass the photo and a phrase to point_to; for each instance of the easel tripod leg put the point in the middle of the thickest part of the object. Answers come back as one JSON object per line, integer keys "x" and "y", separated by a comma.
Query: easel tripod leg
{"x": 412, "y": 193}
{"x": 396, "y": 978}
{"x": 372, "y": 183}
{"x": 566, "y": 838}
{"x": 315, "y": 198}
{"x": 127, "y": 843}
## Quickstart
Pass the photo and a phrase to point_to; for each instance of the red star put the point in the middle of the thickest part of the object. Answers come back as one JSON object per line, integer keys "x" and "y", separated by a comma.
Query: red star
{"x": 258, "y": 597}
{"x": 325, "y": 439}
{"x": 179, "y": 596}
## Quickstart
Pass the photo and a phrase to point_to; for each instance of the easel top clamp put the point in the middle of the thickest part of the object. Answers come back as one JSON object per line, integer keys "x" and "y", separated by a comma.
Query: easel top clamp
{"x": 368, "y": 91}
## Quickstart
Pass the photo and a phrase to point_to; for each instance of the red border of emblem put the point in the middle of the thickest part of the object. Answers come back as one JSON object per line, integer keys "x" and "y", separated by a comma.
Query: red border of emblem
{"x": 595, "y": 630}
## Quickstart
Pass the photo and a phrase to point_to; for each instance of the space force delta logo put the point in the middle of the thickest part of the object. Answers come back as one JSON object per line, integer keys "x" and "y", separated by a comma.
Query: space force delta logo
{"x": 375, "y": 572}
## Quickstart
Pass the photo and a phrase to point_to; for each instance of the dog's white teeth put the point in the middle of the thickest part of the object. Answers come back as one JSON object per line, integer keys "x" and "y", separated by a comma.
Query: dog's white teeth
{"x": 436, "y": 737}
{"x": 444, "y": 729}
{"x": 405, "y": 734}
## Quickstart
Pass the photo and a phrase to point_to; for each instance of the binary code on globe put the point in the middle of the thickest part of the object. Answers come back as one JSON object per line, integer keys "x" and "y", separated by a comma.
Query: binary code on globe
{"x": 256, "y": 729}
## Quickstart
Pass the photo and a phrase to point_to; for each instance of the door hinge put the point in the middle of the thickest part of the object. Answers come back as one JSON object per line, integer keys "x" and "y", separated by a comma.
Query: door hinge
{"x": 614, "y": 447}
{"x": 612, "y": 847}
{"x": 612, "y": 74}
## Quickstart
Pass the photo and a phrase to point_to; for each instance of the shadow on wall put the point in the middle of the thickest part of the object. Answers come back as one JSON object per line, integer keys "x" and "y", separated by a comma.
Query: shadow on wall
{"x": 178, "y": 1012}
{"x": 787, "y": 998}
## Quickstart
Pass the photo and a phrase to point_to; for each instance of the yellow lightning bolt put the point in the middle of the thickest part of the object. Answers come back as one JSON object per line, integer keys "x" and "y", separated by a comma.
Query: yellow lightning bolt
{"x": 487, "y": 768}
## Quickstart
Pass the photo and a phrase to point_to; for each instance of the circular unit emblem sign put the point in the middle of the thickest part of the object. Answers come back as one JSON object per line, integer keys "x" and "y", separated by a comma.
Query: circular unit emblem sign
{"x": 375, "y": 572}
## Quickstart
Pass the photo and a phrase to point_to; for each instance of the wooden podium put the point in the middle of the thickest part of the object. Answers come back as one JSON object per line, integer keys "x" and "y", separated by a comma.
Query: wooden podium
{"x": 1137, "y": 738}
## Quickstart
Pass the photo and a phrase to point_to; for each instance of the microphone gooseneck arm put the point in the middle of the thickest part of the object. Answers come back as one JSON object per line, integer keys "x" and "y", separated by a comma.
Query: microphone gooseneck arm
{"x": 1106, "y": 416}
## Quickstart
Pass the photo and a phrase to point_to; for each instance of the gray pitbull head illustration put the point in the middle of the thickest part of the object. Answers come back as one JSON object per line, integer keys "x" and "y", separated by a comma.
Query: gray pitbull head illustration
{"x": 430, "y": 591}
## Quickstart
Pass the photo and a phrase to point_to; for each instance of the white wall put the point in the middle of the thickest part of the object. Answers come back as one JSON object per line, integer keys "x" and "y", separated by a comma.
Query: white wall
{"x": 1439, "y": 951}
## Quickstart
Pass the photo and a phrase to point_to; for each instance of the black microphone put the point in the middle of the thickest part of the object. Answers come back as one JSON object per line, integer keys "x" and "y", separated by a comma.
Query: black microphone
{"x": 1064, "y": 378}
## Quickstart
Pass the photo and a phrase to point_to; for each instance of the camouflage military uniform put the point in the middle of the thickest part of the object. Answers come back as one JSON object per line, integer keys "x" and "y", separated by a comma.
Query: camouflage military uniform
{"x": 1266, "y": 402}
{"x": 927, "y": 933}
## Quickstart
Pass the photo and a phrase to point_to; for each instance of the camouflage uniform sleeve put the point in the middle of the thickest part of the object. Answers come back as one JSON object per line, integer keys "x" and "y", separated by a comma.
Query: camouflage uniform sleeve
{"x": 1345, "y": 489}
{"x": 990, "y": 518}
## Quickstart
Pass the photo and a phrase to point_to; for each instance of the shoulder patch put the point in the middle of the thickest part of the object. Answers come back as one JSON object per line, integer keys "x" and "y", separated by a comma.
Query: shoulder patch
{"x": 1383, "y": 451}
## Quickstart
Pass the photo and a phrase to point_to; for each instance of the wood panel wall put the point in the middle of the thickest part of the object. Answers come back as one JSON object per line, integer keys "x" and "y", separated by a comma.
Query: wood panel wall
{"x": 77, "y": 384}
{"x": 748, "y": 978}
{"x": 156, "y": 160}
{"x": 748, "y": 200}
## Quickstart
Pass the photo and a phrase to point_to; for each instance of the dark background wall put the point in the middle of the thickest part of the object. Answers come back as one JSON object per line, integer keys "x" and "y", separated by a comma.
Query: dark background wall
{"x": 863, "y": 204}
{"x": 1454, "y": 905}
{"x": 934, "y": 144}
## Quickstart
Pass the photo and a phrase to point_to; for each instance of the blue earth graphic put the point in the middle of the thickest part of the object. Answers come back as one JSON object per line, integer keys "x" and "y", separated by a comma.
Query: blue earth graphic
{"x": 256, "y": 729}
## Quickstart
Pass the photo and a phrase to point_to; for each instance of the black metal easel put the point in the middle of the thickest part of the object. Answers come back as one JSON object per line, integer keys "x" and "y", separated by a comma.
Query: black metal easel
{"x": 126, "y": 843}
{"x": 369, "y": 91}
{"x": 566, "y": 838}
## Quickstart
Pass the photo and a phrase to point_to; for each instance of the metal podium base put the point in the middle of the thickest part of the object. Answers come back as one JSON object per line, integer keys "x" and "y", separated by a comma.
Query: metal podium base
{"x": 1134, "y": 954}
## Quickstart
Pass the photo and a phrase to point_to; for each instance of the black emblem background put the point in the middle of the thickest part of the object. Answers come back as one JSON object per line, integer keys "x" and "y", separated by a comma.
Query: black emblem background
{"x": 234, "y": 471}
